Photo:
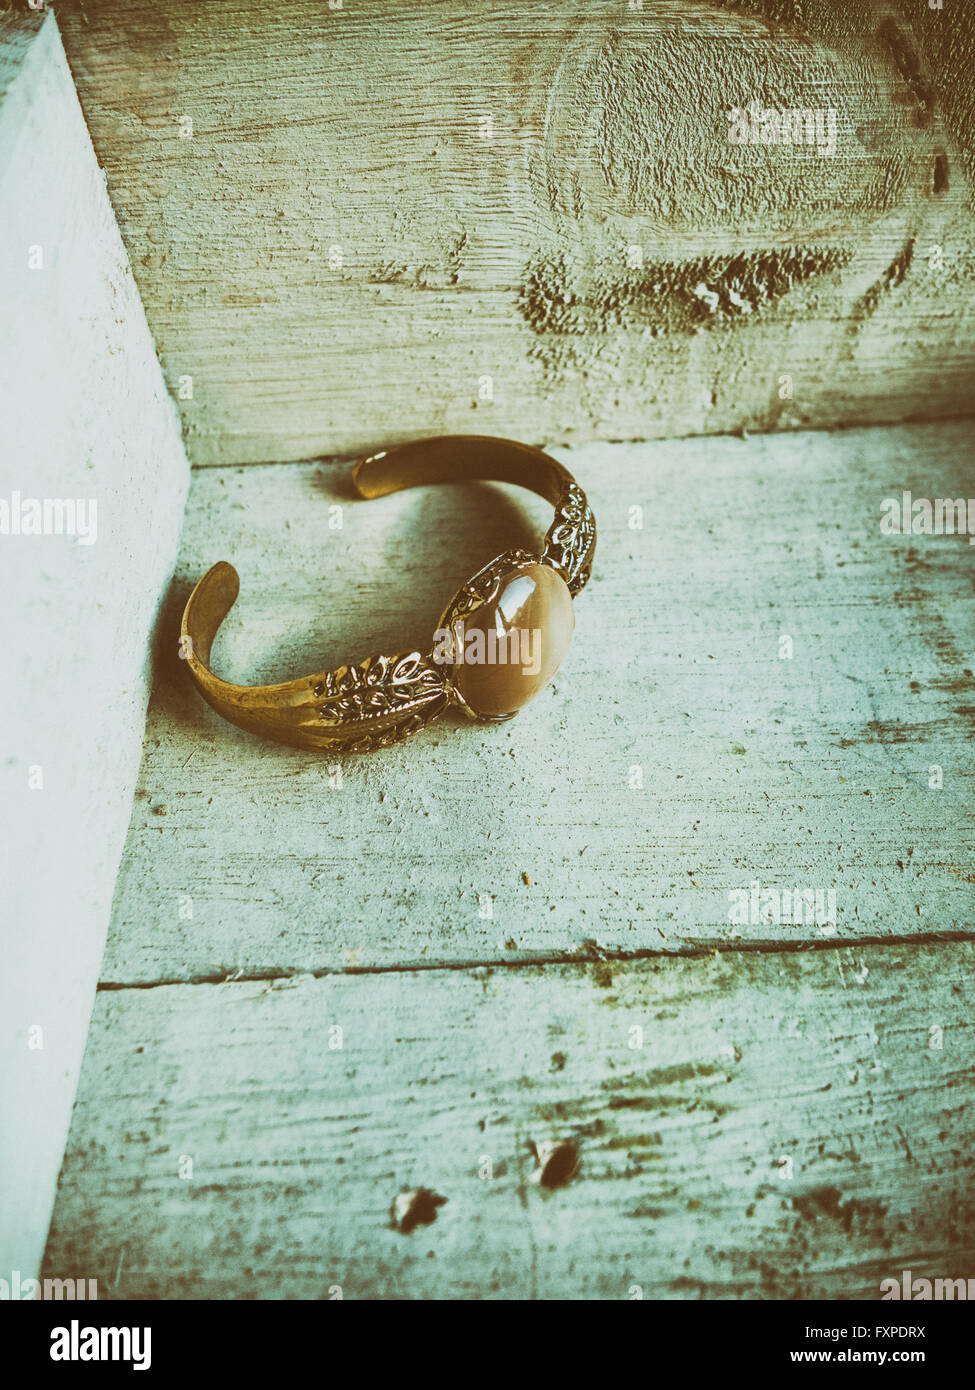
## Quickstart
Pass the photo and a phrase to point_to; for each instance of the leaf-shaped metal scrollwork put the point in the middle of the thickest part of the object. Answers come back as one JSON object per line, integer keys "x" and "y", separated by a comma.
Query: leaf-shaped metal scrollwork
{"x": 570, "y": 542}
{"x": 378, "y": 691}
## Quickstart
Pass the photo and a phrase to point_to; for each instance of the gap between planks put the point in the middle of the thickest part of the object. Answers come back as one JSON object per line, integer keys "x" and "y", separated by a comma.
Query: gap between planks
{"x": 688, "y": 951}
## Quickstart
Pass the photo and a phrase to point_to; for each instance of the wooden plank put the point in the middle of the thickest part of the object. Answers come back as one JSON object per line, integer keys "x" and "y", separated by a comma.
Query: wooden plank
{"x": 680, "y": 756}
{"x": 794, "y": 1125}
{"x": 339, "y": 256}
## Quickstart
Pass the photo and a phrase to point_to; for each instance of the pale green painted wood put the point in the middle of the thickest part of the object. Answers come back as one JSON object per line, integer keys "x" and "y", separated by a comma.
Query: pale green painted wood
{"x": 809, "y": 772}
{"x": 786, "y": 1130}
{"x": 754, "y": 1063}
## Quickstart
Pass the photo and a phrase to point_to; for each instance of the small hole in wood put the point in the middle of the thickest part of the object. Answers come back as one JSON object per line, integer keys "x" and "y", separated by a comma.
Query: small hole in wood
{"x": 941, "y": 173}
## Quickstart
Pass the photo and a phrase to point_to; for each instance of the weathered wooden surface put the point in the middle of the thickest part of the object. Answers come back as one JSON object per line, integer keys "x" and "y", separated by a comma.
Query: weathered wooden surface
{"x": 812, "y": 771}
{"x": 787, "y": 1129}
{"x": 338, "y": 256}
{"x": 787, "y": 1124}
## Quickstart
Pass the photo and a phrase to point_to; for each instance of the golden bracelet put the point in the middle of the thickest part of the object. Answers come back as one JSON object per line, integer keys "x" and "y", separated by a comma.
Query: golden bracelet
{"x": 501, "y": 638}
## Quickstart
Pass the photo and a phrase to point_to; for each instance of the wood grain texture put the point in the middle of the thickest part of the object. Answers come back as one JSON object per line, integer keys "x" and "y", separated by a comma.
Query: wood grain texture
{"x": 338, "y": 256}
{"x": 786, "y": 1130}
{"x": 678, "y": 757}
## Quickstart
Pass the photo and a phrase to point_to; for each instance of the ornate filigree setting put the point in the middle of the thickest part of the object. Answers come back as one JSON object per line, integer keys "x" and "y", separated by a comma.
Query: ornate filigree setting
{"x": 380, "y": 700}
{"x": 369, "y": 739}
{"x": 484, "y": 585}
{"x": 570, "y": 542}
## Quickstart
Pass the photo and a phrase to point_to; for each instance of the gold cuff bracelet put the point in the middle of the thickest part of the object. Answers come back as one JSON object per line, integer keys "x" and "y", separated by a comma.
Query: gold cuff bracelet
{"x": 501, "y": 638}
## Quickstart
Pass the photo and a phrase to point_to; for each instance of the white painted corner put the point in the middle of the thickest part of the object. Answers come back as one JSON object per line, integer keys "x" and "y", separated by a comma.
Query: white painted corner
{"x": 90, "y": 444}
